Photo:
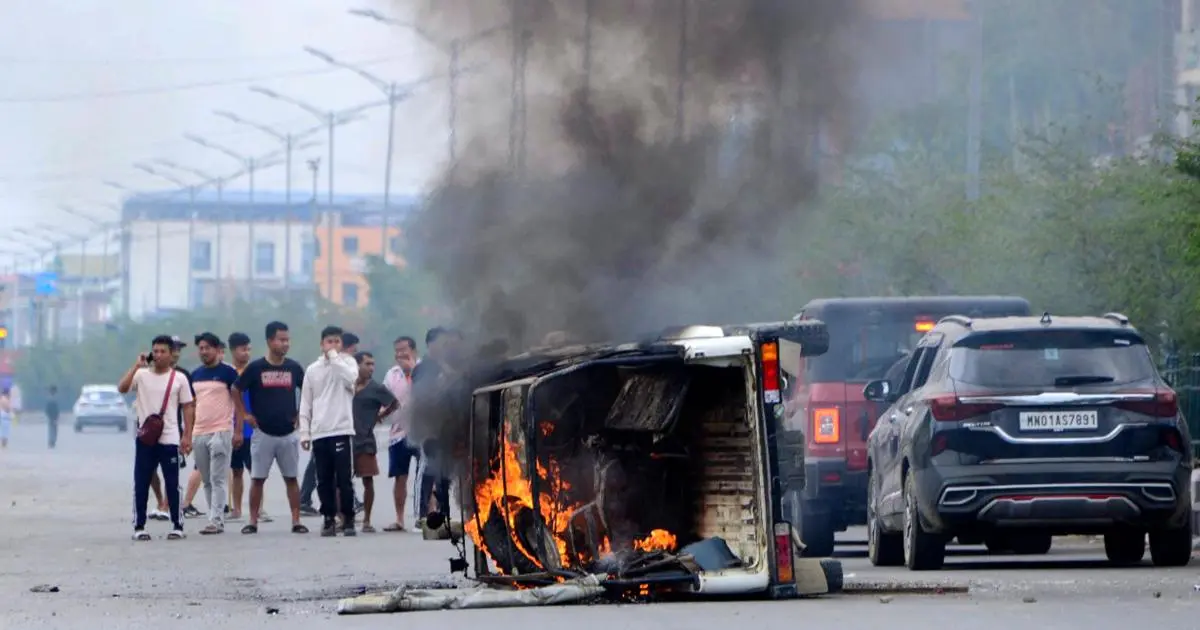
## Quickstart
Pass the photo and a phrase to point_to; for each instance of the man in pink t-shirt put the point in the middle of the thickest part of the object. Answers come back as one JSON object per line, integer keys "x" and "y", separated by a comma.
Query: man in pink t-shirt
{"x": 401, "y": 454}
{"x": 217, "y": 430}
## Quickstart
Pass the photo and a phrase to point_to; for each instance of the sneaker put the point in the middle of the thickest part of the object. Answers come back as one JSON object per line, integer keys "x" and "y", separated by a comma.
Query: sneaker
{"x": 329, "y": 528}
{"x": 263, "y": 518}
{"x": 176, "y": 534}
{"x": 212, "y": 528}
{"x": 159, "y": 515}
{"x": 349, "y": 531}
{"x": 191, "y": 512}
{"x": 358, "y": 506}
{"x": 308, "y": 510}
{"x": 141, "y": 535}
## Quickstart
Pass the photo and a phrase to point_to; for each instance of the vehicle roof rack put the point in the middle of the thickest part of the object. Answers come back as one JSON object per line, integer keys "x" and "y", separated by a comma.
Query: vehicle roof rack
{"x": 961, "y": 320}
{"x": 1117, "y": 317}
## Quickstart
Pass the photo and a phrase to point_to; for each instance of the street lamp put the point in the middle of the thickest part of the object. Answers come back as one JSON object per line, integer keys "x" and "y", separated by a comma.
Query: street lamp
{"x": 191, "y": 190}
{"x": 452, "y": 48}
{"x": 395, "y": 94}
{"x": 83, "y": 242}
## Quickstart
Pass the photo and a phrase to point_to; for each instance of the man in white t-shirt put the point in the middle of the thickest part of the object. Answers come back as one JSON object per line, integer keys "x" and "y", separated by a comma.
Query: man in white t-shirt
{"x": 160, "y": 390}
{"x": 401, "y": 454}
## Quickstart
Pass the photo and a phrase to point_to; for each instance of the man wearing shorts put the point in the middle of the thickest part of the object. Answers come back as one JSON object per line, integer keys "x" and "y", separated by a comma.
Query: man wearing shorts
{"x": 271, "y": 383}
{"x": 401, "y": 454}
{"x": 372, "y": 403}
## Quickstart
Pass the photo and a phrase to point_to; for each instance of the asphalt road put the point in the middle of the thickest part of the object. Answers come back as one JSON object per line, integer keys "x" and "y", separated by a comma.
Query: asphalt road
{"x": 65, "y": 522}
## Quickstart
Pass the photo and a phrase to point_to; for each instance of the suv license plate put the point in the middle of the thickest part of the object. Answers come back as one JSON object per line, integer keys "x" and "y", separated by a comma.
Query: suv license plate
{"x": 1059, "y": 420}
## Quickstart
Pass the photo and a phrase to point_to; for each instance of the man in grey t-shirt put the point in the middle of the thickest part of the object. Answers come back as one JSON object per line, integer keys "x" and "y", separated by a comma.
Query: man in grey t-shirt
{"x": 372, "y": 403}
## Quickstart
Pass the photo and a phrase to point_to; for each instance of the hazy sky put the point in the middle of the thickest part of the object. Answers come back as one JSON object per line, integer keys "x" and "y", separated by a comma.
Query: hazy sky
{"x": 89, "y": 87}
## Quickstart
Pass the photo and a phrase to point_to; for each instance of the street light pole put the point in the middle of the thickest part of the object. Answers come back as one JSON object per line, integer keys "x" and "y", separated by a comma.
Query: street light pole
{"x": 158, "y": 236}
{"x": 83, "y": 242}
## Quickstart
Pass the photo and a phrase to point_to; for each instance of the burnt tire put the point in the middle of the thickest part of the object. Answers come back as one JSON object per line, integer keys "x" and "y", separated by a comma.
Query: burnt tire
{"x": 835, "y": 576}
{"x": 811, "y": 334}
{"x": 923, "y": 551}
{"x": 1031, "y": 544}
{"x": 1124, "y": 548}
{"x": 1171, "y": 547}
{"x": 884, "y": 548}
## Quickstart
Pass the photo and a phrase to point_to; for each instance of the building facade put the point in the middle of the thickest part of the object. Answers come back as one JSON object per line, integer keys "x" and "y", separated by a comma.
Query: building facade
{"x": 207, "y": 252}
{"x": 343, "y": 248}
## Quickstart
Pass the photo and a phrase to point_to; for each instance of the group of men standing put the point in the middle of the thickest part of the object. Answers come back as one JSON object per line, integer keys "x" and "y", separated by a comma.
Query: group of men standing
{"x": 247, "y": 416}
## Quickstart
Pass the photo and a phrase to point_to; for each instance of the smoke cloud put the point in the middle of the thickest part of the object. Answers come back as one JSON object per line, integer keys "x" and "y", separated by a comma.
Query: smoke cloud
{"x": 598, "y": 205}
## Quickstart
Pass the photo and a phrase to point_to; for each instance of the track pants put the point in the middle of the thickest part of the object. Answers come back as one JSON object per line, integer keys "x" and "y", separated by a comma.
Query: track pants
{"x": 146, "y": 460}
{"x": 334, "y": 462}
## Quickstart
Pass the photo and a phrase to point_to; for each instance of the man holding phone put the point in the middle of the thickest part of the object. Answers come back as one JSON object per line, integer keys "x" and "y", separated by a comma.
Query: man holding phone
{"x": 160, "y": 390}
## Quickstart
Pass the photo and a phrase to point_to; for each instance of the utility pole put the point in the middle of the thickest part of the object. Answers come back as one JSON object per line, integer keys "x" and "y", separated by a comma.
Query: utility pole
{"x": 975, "y": 104}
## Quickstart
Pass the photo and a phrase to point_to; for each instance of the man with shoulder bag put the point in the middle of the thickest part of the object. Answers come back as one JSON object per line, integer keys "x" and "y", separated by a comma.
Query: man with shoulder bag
{"x": 162, "y": 394}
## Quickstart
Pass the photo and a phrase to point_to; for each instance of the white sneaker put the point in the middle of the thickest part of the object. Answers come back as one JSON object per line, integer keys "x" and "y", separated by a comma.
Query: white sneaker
{"x": 159, "y": 515}
{"x": 141, "y": 535}
{"x": 263, "y": 518}
{"x": 176, "y": 534}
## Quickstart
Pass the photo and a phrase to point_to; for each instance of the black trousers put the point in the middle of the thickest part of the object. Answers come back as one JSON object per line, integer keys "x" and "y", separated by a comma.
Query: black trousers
{"x": 334, "y": 461}
{"x": 436, "y": 486}
{"x": 146, "y": 460}
{"x": 308, "y": 485}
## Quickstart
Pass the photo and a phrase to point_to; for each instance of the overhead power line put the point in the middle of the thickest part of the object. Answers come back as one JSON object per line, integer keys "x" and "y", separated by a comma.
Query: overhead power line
{"x": 179, "y": 87}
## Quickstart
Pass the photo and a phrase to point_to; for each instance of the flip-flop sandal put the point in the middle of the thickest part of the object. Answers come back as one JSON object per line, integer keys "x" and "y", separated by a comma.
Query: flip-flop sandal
{"x": 250, "y": 529}
{"x": 299, "y": 528}
{"x": 368, "y": 529}
{"x": 394, "y": 527}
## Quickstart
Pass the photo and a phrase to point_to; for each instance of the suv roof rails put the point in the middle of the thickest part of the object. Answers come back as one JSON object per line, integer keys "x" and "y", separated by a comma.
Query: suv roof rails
{"x": 961, "y": 320}
{"x": 1119, "y": 318}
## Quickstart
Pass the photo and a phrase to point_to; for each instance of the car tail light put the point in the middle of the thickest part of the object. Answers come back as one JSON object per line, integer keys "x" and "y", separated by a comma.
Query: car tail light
{"x": 948, "y": 408}
{"x": 770, "y": 372}
{"x": 1164, "y": 405}
{"x": 940, "y": 442}
{"x": 784, "y": 571}
{"x": 826, "y": 425}
{"x": 1170, "y": 438}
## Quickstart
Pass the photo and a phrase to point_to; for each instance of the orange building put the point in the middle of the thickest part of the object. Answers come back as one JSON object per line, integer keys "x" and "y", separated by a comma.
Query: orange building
{"x": 340, "y": 263}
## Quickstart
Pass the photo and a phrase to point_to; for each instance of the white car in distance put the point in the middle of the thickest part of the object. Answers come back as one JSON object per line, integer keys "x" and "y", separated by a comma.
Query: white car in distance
{"x": 101, "y": 406}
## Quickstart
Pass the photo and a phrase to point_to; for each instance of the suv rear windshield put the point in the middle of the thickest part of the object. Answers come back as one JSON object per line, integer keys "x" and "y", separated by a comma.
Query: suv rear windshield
{"x": 861, "y": 352}
{"x": 102, "y": 396}
{"x": 1051, "y": 358}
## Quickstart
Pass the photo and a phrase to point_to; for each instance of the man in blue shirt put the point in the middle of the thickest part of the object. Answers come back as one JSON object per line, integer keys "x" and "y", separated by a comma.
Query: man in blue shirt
{"x": 239, "y": 350}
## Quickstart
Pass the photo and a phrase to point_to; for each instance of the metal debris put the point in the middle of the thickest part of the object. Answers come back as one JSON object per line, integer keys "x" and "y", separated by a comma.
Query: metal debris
{"x": 405, "y": 599}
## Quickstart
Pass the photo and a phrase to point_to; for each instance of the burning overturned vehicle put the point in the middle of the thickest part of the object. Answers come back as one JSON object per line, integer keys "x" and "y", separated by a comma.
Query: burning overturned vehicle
{"x": 647, "y": 467}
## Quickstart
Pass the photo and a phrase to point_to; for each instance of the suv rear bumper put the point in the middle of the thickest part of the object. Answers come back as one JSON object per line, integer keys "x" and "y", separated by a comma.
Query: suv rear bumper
{"x": 101, "y": 421}
{"x": 1059, "y": 497}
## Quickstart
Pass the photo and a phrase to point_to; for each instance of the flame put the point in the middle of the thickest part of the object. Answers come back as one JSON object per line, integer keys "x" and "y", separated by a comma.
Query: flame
{"x": 508, "y": 486}
{"x": 658, "y": 540}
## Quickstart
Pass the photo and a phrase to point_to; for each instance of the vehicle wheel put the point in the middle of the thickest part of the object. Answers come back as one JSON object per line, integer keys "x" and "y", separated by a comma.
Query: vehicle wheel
{"x": 814, "y": 529}
{"x": 1171, "y": 547}
{"x": 79, "y": 428}
{"x": 884, "y": 548}
{"x": 1031, "y": 544}
{"x": 835, "y": 576}
{"x": 1125, "y": 547}
{"x": 923, "y": 551}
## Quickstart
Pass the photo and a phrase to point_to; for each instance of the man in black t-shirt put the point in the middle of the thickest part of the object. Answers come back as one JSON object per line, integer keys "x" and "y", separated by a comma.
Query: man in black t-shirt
{"x": 271, "y": 383}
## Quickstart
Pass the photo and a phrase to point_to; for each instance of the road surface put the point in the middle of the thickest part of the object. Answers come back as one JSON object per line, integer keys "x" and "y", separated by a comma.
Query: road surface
{"x": 65, "y": 522}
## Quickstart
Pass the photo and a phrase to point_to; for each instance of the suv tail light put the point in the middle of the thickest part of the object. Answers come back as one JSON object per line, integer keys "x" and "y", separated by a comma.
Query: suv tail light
{"x": 1170, "y": 438}
{"x": 1164, "y": 405}
{"x": 826, "y": 425}
{"x": 948, "y": 408}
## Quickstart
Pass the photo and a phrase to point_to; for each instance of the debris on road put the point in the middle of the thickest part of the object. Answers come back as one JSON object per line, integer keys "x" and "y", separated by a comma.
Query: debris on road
{"x": 896, "y": 587}
{"x": 405, "y": 599}
{"x": 44, "y": 588}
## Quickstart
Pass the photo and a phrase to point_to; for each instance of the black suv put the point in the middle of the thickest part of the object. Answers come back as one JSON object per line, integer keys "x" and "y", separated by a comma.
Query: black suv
{"x": 1011, "y": 430}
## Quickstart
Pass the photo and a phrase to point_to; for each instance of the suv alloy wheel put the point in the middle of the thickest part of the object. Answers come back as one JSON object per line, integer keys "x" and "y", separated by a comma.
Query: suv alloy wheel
{"x": 884, "y": 549}
{"x": 923, "y": 551}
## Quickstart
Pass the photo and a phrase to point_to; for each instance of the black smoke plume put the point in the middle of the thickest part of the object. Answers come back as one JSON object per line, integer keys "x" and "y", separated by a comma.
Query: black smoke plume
{"x": 598, "y": 219}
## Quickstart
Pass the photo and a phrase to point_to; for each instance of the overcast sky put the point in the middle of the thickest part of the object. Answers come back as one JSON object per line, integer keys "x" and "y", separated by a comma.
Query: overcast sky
{"x": 90, "y": 87}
